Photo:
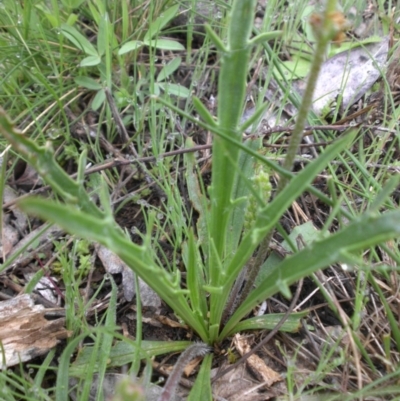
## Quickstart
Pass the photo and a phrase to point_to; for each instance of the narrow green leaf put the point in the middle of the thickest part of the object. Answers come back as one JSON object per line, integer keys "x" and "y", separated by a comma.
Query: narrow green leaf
{"x": 62, "y": 382}
{"x": 268, "y": 322}
{"x": 102, "y": 35}
{"x": 270, "y": 215}
{"x": 196, "y": 196}
{"x": 30, "y": 287}
{"x": 203, "y": 112}
{"x": 164, "y": 44}
{"x": 42, "y": 373}
{"x": 90, "y": 227}
{"x": 72, "y": 4}
{"x": 157, "y": 89}
{"x": 78, "y": 39}
{"x": 130, "y": 46}
{"x": 195, "y": 277}
{"x": 94, "y": 12}
{"x": 164, "y": 18}
{"x": 123, "y": 352}
{"x": 393, "y": 321}
{"x": 215, "y": 39}
{"x": 90, "y": 61}
{"x": 101, "y": 6}
{"x": 105, "y": 200}
{"x": 169, "y": 69}
{"x": 106, "y": 339}
{"x": 98, "y": 100}
{"x": 265, "y": 37}
{"x": 88, "y": 83}
{"x": 254, "y": 118}
{"x": 72, "y": 18}
{"x": 81, "y": 167}
{"x": 201, "y": 390}
{"x": 384, "y": 194}
{"x": 175, "y": 90}
{"x": 240, "y": 192}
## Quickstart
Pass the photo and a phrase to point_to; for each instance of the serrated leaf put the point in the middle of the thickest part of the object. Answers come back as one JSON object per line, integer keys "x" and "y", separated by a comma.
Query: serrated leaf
{"x": 105, "y": 231}
{"x": 42, "y": 159}
{"x": 307, "y": 232}
{"x": 366, "y": 231}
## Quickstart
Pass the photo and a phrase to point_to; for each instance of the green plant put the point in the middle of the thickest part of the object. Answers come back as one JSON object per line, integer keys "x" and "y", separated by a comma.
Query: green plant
{"x": 108, "y": 48}
{"x": 217, "y": 253}
{"x": 162, "y": 83}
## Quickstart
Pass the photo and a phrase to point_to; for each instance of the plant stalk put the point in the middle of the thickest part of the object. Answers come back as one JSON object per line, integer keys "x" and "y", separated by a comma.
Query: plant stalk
{"x": 326, "y": 33}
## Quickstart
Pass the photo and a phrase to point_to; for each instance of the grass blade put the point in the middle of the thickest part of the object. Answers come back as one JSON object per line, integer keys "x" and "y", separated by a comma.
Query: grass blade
{"x": 201, "y": 390}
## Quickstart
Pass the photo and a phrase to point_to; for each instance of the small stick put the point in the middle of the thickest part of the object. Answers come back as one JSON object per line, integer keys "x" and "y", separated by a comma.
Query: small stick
{"x": 190, "y": 353}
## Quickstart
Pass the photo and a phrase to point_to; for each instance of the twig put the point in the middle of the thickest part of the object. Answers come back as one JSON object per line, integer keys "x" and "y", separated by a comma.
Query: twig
{"x": 119, "y": 123}
{"x": 190, "y": 353}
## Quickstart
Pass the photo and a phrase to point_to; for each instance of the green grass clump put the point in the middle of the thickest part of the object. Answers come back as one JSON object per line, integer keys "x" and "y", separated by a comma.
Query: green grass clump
{"x": 98, "y": 52}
